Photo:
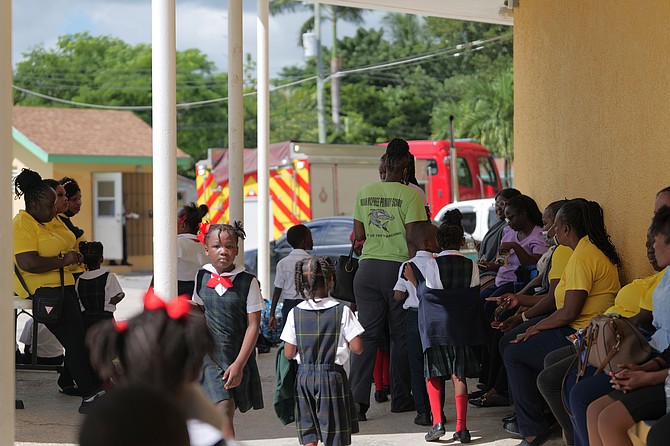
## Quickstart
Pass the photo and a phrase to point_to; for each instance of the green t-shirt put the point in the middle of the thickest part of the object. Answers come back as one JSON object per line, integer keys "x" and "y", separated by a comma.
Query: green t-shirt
{"x": 385, "y": 209}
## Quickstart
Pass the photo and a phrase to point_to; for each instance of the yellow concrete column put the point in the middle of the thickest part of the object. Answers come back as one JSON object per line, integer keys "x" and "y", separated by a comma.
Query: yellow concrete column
{"x": 592, "y": 106}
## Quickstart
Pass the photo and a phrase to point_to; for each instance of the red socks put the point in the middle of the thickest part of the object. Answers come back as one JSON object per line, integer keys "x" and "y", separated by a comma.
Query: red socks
{"x": 381, "y": 372}
{"x": 434, "y": 388}
{"x": 461, "y": 411}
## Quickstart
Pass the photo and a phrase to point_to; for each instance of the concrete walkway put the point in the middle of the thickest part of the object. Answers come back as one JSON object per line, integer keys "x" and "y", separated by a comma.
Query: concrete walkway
{"x": 50, "y": 418}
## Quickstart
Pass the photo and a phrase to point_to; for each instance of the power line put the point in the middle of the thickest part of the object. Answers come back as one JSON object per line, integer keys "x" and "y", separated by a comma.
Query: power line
{"x": 454, "y": 51}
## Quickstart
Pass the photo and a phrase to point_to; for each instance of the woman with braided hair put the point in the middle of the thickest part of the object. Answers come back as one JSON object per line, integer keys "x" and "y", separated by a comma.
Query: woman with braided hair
{"x": 40, "y": 252}
{"x": 384, "y": 213}
{"x": 587, "y": 287}
{"x": 232, "y": 301}
{"x": 319, "y": 333}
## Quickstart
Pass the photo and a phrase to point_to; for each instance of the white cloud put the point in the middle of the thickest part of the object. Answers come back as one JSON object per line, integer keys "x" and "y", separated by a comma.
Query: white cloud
{"x": 201, "y": 24}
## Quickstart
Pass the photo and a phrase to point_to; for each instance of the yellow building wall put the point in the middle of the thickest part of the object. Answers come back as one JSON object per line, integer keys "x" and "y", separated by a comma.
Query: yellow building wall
{"x": 83, "y": 173}
{"x": 592, "y": 110}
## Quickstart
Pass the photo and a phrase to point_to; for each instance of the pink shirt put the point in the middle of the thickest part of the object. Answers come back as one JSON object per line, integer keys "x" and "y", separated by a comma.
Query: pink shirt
{"x": 533, "y": 244}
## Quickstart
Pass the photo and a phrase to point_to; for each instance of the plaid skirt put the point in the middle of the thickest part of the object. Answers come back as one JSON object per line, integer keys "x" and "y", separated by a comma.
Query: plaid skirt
{"x": 447, "y": 360}
{"x": 325, "y": 409}
{"x": 248, "y": 395}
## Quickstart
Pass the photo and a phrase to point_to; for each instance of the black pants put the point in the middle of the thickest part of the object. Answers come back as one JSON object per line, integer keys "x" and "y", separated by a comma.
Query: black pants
{"x": 550, "y": 384}
{"x": 69, "y": 331}
{"x": 287, "y": 306}
{"x": 373, "y": 286}
{"x": 415, "y": 354}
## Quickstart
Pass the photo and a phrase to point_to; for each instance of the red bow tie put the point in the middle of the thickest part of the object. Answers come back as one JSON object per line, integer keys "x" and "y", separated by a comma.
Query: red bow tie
{"x": 176, "y": 308}
{"x": 216, "y": 279}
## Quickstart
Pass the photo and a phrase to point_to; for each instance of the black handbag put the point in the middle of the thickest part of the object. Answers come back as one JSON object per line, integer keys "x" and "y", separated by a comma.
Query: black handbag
{"x": 345, "y": 270}
{"x": 47, "y": 301}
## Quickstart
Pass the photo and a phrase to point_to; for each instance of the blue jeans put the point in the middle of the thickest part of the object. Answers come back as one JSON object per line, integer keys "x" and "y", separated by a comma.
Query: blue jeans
{"x": 578, "y": 397}
{"x": 524, "y": 361}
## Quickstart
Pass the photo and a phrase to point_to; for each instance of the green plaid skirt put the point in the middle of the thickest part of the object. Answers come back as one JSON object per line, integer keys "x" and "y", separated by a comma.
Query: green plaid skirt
{"x": 447, "y": 360}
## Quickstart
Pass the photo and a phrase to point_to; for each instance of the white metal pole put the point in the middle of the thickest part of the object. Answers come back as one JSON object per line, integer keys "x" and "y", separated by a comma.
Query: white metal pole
{"x": 235, "y": 117}
{"x": 320, "y": 101}
{"x": 7, "y": 335}
{"x": 164, "y": 117}
{"x": 263, "y": 86}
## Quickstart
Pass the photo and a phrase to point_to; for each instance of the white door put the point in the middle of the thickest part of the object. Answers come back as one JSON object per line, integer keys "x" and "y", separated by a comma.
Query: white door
{"x": 108, "y": 213}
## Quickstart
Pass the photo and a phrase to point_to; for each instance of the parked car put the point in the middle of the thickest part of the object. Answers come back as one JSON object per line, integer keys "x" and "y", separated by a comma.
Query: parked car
{"x": 331, "y": 237}
{"x": 478, "y": 216}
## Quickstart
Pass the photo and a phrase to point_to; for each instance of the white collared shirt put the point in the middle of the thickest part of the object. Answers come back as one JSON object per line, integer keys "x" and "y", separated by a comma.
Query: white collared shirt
{"x": 426, "y": 263}
{"x": 421, "y": 259}
{"x": 349, "y": 327}
{"x": 285, "y": 274}
{"x": 190, "y": 256}
{"x": 254, "y": 298}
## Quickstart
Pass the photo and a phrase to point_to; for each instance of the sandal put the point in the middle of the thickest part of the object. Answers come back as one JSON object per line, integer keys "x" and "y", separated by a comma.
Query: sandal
{"x": 495, "y": 400}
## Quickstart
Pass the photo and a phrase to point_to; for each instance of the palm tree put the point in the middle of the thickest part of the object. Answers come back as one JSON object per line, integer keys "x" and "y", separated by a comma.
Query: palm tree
{"x": 485, "y": 112}
{"x": 334, "y": 14}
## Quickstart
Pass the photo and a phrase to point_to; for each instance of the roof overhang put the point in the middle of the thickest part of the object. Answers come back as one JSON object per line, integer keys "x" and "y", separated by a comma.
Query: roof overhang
{"x": 46, "y": 157}
{"x": 488, "y": 11}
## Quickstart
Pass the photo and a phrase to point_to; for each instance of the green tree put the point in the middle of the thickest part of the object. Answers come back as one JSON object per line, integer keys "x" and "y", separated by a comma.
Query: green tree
{"x": 107, "y": 71}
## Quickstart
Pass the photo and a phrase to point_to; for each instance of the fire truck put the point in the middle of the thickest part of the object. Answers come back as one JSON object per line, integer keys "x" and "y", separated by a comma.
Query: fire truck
{"x": 309, "y": 180}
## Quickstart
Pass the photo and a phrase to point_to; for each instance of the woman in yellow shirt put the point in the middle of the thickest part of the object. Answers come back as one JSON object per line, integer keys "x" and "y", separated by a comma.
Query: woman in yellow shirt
{"x": 587, "y": 287}
{"x": 40, "y": 251}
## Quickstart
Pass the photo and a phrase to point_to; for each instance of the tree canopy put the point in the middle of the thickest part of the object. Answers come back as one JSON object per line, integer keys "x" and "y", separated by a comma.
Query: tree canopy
{"x": 403, "y": 79}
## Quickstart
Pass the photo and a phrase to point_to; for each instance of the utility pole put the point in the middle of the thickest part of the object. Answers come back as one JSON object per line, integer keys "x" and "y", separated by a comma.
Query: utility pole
{"x": 335, "y": 64}
{"x": 320, "y": 109}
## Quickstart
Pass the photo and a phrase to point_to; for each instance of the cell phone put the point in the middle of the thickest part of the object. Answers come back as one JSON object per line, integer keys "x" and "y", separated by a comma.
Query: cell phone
{"x": 521, "y": 335}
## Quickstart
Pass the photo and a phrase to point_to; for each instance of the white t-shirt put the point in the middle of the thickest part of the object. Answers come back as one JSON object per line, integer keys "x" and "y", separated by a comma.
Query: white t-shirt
{"x": 285, "y": 274}
{"x": 420, "y": 260}
{"x": 47, "y": 347}
{"x": 431, "y": 272}
{"x": 254, "y": 298}
{"x": 349, "y": 327}
{"x": 112, "y": 287}
{"x": 421, "y": 192}
{"x": 190, "y": 256}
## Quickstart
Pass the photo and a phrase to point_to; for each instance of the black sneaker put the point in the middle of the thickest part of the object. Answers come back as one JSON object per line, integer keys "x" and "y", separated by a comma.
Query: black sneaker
{"x": 463, "y": 436}
{"x": 423, "y": 419}
{"x": 381, "y": 396}
{"x": 435, "y": 432}
{"x": 362, "y": 410}
{"x": 87, "y": 404}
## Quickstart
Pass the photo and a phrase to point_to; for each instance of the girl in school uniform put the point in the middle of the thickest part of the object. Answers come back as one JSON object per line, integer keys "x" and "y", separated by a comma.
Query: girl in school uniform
{"x": 319, "y": 333}
{"x": 231, "y": 299}
{"x": 98, "y": 289}
{"x": 450, "y": 323}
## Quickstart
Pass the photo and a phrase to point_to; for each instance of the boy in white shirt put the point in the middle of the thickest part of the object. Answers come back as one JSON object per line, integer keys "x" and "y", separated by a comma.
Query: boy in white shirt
{"x": 300, "y": 239}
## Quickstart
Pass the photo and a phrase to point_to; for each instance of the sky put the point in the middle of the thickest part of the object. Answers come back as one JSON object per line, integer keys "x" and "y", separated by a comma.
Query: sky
{"x": 201, "y": 24}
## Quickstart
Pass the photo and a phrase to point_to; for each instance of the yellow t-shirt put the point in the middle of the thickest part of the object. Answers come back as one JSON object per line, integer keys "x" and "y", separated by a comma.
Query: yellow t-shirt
{"x": 588, "y": 270}
{"x": 559, "y": 259}
{"x": 650, "y": 284}
{"x": 627, "y": 301}
{"x": 31, "y": 236}
{"x": 61, "y": 229}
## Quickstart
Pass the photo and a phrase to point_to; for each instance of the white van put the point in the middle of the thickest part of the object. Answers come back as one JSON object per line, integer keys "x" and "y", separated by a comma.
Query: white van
{"x": 478, "y": 216}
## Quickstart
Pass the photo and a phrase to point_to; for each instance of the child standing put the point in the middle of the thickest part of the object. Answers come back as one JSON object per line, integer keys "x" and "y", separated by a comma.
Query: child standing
{"x": 450, "y": 322}
{"x": 232, "y": 301}
{"x": 424, "y": 238}
{"x": 98, "y": 289}
{"x": 319, "y": 333}
{"x": 190, "y": 252}
{"x": 300, "y": 239}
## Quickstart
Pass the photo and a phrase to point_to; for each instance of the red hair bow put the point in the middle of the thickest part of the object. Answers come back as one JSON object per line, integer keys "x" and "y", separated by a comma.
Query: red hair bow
{"x": 176, "y": 308}
{"x": 216, "y": 279}
{"x": 204, "y": 229}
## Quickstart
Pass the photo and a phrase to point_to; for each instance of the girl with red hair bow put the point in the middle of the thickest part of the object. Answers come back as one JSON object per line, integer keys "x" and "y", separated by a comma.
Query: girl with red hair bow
{"x": 231, "y": 298}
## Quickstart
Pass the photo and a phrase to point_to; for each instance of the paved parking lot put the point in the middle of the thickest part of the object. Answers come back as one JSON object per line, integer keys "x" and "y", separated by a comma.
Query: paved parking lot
{"x": 51, "y": 418}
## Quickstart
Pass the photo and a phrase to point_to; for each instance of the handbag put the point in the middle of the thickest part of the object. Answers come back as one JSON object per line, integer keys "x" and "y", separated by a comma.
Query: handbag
{"x": 345, "y": 271}
{"x": 609, "y": 340}
{"x": 47, "y": 301}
